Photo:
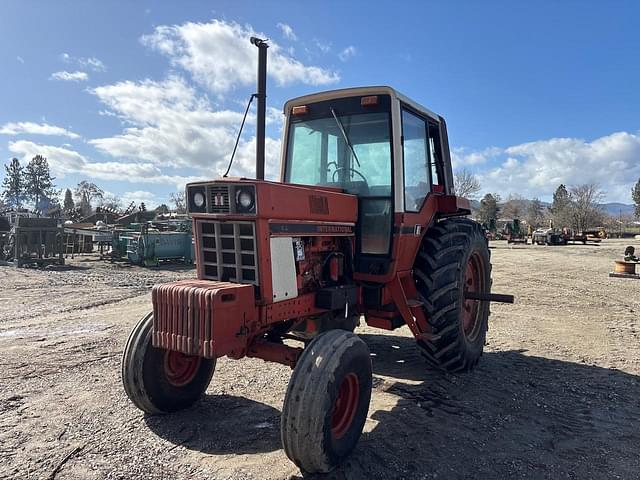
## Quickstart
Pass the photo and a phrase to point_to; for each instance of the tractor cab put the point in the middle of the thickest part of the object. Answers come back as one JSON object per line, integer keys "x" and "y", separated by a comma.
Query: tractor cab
{"x": 379, "y": 145}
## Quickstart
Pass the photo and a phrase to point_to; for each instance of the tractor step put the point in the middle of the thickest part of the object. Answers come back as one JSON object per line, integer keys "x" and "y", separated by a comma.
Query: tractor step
{"x": 413, "y": 303}
{"x": 384, "y": 323}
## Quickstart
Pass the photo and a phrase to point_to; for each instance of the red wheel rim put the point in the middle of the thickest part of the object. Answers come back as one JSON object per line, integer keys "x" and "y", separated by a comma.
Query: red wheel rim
{"x": 180, "y": 369}
{"x": 345, "y": 406}
{"x": 473, "y": 282}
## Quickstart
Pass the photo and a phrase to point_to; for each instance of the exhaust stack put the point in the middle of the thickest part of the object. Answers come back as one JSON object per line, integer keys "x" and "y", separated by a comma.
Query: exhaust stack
{"x": 261, "y": 95}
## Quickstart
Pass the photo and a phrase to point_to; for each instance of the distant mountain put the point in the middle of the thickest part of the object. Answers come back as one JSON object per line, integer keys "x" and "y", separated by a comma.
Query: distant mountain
{"x": 612, "y": 208}
{"x": 615, "y": 208}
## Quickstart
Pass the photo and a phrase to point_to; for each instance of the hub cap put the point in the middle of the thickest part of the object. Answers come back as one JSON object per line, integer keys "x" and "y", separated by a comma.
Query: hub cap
{"x": 473, "y": 282}
{"x": 346, "y": 405}
{"x": 180, "y": 369}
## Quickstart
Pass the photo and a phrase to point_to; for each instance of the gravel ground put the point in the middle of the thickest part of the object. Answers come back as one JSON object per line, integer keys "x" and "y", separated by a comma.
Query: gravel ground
{"x": 556, "y": 395}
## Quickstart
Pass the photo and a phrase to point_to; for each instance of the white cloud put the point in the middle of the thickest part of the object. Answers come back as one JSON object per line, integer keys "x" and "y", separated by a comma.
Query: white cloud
{"x": 64, "y": 161}
{"x": 69, "y": 76}
{"x": 92, "y": 63}
{"x": 172, "y": 126}
{"x": 219, "y": 56}
{"x": 463, "y": 157}
{"x": 535, "y": 169}
{"x": 19, "y": 128}
{"x": 287, "y": 31}
{"x": 138, "y": 197}
{"x": 347, "y": 53}
{"x": 323, "y": 46}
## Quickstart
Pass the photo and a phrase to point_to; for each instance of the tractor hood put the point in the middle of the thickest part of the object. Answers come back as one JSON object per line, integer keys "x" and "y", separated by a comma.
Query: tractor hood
{"x": 246, "y": 198}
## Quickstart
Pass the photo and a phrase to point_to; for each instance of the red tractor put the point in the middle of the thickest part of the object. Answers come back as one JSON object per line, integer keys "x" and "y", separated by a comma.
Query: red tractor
{"x": 363, "y": 224}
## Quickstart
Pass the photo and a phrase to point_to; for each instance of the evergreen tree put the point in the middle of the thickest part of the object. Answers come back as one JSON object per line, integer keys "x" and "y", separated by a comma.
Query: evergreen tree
{"x": 68, "y": 201}
{"x": 561, "y": 207}
{"x": 635, "y": 195}
{"x": 13, "y": 184}
{"x": 38, "y": 181}
{"x": 489, "y": 208}
{"x": 162, "y": 209}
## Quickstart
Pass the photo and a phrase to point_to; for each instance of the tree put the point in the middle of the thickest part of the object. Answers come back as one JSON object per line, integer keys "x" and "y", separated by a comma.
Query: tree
{"x": 466, "y": 184}
{"x": 13, "y": 184}
{"x": 142, "y": 207}
{"x": 635, "y": 195}
{"x": 179, "y": 201}
{"x": 86, "y": 193}
{"x": 38, "y": 182}
{"x": 162, "y": 209}
{"x": 514, "y": 207}
{"x": 489, "y": 210}
{"x": 111, "y": 202}
{"x": 68, "y": 204}
{"x": 585, "y": 206}
{"x": 561, "y": 207}
{"x": 535, "y": 213}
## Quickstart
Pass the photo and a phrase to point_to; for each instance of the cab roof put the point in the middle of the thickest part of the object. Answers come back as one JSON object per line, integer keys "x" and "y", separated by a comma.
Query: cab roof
{"x": 356, "y": 92}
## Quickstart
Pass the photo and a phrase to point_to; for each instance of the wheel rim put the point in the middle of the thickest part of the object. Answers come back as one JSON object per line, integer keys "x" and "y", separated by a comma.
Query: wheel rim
{"x": 345, "y": 406}
{"x": 180, "y": 369}
{"x": 473, "y": 282}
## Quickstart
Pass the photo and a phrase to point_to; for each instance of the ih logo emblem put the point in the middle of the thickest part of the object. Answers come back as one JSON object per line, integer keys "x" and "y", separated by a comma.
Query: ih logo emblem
{"x": 218, "y": 200}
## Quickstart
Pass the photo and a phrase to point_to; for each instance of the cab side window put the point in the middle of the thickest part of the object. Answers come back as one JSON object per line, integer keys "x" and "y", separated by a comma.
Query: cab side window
{"x": 435, "y": 158}
{"x": 415, "y": 147}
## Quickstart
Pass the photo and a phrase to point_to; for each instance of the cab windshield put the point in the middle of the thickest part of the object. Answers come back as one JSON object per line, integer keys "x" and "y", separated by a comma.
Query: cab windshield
{"x": 351, "y": 150}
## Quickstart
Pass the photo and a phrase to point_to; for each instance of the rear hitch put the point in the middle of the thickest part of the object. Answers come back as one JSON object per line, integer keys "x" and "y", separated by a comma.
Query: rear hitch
{"x": 489, "y": 297}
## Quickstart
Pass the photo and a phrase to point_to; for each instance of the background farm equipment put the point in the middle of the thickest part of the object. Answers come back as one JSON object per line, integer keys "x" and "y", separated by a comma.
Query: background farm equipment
{"x": 513, "y": 232}
{"x": 34, "y": 241}
{"x": 150, "y": 248}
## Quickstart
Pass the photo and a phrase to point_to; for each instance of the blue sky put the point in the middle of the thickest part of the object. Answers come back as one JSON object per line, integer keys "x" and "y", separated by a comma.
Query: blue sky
{"x": 140, "y": 97}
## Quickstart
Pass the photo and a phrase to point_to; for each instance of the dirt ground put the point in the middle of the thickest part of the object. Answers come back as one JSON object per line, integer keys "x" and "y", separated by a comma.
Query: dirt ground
{"x": 556, "y": 395}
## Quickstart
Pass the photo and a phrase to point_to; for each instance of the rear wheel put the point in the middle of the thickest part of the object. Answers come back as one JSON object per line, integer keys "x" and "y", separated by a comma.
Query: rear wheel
{"x": 454, "y": 260}
{"x": 327, "y": 400}
{"x": 158, "y": 380}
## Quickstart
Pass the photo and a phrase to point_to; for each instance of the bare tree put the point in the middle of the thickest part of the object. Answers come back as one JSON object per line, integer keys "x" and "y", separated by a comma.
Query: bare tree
{"x": 111, "y": 202}
{"x": 514, "y": 207}
{"x": 466, "y": 184}
{"x": 535, "y": 213}
{"x": 85, "y": 193}
{"x": 178, "y": 199}
{"x": 585, "y": 205}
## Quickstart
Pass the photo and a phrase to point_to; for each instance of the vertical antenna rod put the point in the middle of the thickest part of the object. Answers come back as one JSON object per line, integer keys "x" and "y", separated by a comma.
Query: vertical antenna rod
{"x": 261, "y": 95}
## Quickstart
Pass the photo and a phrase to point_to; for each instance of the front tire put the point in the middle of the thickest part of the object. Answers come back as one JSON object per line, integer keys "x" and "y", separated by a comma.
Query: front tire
{"x": 327, "y": 401}
{"x": 158, "y": 380}
{"x": 454, "y": 259}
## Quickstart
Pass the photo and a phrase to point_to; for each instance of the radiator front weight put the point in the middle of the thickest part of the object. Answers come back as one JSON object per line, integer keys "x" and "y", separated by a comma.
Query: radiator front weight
{"x": 212, "y": 319}
{"x": 204, "y": 318}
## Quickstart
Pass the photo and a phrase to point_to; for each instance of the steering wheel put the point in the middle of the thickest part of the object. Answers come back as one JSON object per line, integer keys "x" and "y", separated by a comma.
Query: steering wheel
{"x": 348, "y": 169}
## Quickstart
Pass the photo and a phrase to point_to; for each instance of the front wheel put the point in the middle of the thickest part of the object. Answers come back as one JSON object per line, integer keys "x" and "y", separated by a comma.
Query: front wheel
{"x": 327, "y": 401}
{"x": 158, "y": 380}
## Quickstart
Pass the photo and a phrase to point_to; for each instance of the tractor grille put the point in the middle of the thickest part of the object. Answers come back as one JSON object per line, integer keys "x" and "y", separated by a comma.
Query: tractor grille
{"x": 228, "y": 251}
{"x": 219, "y": 199}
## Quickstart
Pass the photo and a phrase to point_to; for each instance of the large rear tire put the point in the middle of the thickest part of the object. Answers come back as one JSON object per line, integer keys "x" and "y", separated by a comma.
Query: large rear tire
{"x": 454, "y": 258}
{"x": 158, "y": 380}
{"x": 327, "y": 401}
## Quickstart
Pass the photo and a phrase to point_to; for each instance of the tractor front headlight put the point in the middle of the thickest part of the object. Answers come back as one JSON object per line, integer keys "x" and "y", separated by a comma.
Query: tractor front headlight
{"x": 245, "y": 199}
{"x": 198, "y": 199}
